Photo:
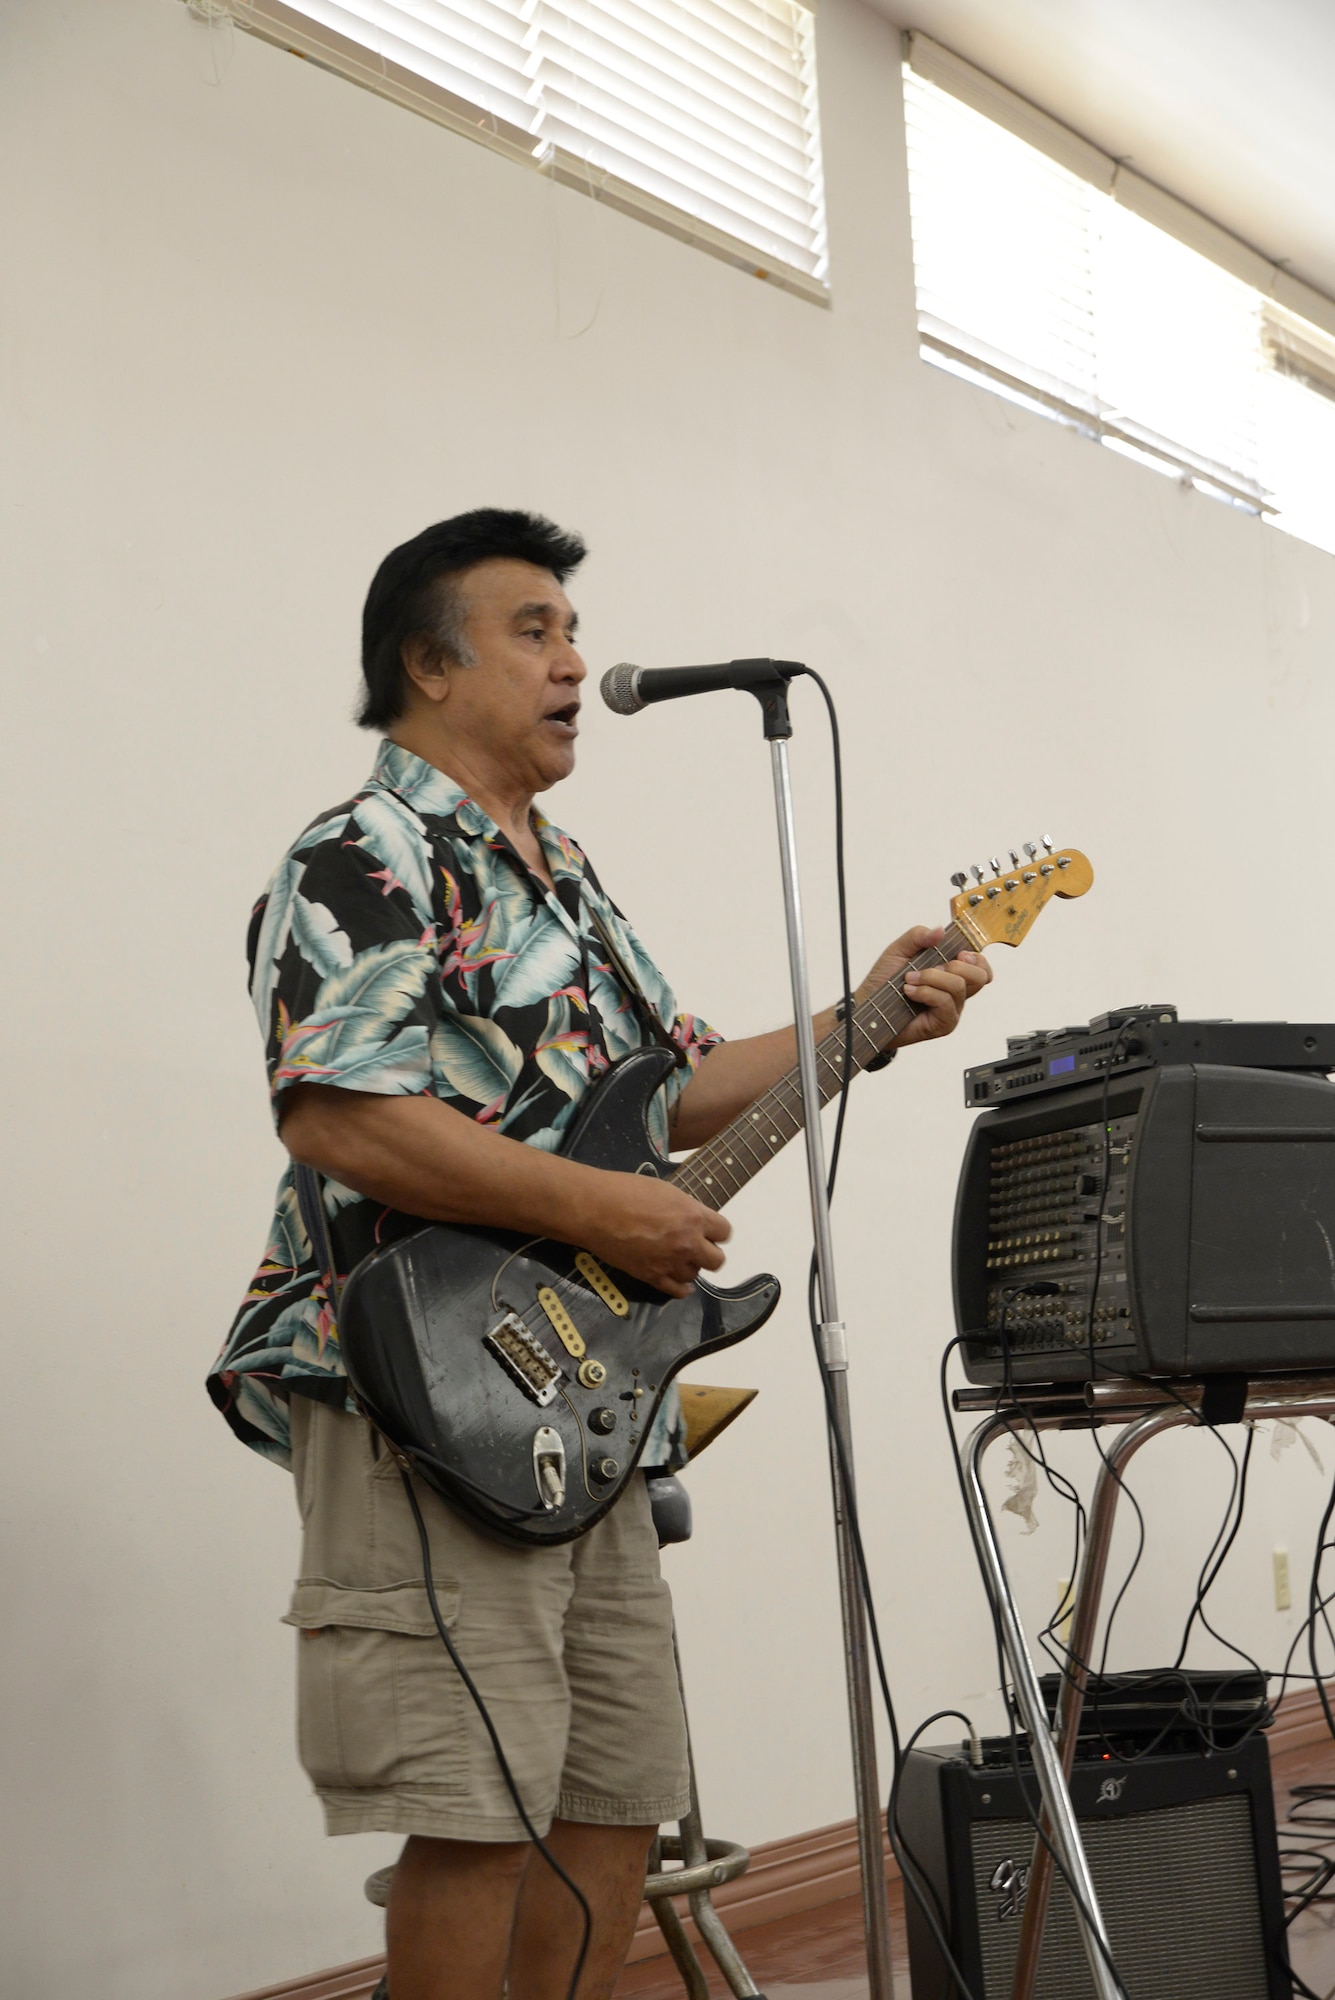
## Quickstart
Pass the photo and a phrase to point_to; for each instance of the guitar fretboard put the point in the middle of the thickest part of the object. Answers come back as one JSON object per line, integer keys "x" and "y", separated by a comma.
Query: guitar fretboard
{"x": 723, "y": 1166}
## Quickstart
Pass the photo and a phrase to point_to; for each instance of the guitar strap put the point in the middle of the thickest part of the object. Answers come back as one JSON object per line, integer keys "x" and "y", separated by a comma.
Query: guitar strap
{"x": 645, "y": 1012}
{"x": 310, "y": 1201}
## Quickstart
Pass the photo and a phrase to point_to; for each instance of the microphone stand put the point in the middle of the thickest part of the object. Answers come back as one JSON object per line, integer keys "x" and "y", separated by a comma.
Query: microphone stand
{"x": 771, "y": 691}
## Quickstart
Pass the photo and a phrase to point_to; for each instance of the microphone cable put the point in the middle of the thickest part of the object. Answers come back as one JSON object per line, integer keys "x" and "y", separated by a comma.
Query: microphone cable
{"x": 914, "y": 1874}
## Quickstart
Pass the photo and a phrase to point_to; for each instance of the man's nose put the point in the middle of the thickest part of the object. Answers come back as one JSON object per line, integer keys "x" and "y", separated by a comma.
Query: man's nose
{"x": 570, "y": 666}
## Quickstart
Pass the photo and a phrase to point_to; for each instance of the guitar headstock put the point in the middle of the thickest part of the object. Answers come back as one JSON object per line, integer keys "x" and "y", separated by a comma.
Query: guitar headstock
{"x": 1001, "y": 910}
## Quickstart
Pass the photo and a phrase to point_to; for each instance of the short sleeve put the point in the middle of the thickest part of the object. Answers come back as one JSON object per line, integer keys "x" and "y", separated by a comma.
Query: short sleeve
{"x": 344, "y": 968}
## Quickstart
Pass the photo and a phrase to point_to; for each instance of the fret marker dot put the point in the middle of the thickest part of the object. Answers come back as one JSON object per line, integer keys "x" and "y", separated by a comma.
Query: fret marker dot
{"x": 728, "y": 1161}
{"x": 774, "y": 1138}
{"x": 709, "y": 1180}
{"x": 755, "y": 1117}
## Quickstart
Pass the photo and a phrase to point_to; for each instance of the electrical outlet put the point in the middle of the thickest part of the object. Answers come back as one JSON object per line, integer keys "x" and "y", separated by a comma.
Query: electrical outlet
{"x": 1283, "y": 1595}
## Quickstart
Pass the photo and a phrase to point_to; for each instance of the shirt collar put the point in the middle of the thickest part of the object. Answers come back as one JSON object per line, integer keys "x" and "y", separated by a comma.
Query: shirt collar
{"x": 420, "y": 785}
{"x": 426, "y": 790}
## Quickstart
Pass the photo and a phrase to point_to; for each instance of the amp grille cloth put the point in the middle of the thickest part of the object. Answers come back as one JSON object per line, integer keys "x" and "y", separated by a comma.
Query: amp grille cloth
{"x": 1177, "y": 1887}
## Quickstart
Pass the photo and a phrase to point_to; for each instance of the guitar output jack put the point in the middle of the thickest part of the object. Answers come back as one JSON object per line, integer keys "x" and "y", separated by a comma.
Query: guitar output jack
{"x": 592, "y": 1373}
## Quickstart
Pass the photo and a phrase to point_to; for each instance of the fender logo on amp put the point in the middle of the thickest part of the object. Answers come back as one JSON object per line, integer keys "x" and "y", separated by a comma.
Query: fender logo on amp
{"x": 1010, "y": 1879}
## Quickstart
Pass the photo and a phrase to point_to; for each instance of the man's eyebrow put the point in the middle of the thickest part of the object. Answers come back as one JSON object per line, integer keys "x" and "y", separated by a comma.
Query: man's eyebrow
{"x": 541, "y": 608}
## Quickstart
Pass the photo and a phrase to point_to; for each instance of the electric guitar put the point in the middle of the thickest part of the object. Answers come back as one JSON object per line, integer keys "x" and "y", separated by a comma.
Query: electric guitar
{"x": 520, "y": 1378}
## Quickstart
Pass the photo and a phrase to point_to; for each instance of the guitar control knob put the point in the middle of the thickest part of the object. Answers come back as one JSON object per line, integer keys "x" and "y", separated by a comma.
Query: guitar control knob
{"x": 602, "y": 1421}
{"x": 592, "y": 1373}
{"x": 605, "y": 1468}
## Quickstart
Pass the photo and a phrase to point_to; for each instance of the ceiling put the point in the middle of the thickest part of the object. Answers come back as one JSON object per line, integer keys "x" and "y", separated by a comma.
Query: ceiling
{"x": 1229, "y": 104}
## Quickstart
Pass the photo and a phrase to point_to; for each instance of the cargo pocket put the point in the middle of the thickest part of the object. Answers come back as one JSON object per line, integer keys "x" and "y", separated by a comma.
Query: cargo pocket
{"x": 379, "y": 1704}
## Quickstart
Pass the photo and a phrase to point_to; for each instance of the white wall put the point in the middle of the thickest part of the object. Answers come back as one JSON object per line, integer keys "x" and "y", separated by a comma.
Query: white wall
{"x": 262, "y": 326}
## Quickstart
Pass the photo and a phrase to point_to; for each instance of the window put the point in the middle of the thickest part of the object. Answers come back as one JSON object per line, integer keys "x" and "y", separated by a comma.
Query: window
{"x": 697, "y": 115}
{"x": 1046, "y": 271}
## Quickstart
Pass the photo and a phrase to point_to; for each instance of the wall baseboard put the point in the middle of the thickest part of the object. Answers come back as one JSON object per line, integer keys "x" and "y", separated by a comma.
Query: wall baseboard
{"x": 340, "y": 1982}
{"x": 1300, "y": 1723}
{"x": 802, "y": 1872}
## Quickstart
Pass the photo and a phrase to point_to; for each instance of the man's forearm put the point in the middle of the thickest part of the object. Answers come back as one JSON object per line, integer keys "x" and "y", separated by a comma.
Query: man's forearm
{"x": 735, "y": 1073}
{"x": 424, "y": 1158}
{"x": 732, "y": 1076}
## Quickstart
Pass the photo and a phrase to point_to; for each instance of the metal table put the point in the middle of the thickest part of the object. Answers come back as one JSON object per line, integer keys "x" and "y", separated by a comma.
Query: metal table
{"x": 1142, "y": 1410}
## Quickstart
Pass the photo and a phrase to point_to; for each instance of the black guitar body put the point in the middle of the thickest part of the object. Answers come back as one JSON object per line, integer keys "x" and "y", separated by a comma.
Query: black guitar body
{"x": 520, "y": 1378}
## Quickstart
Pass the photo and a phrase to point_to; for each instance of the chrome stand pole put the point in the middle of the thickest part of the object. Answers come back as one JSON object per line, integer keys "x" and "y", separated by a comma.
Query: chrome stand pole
{"x": 834, "y": 1355}
{"x": 1080, "y": 1651}
{"x": 1060, "y": 1813}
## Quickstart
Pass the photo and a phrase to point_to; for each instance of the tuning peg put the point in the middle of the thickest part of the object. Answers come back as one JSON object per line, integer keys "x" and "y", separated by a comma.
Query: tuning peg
{"x": 1031, "y": 849}
{"x": 994, "y": 863}
{"x": 960, "y": 880}
{"x": 1015, "y": 859}
{"x": 977, "y": 873}
{"x": 1047, "y": 845}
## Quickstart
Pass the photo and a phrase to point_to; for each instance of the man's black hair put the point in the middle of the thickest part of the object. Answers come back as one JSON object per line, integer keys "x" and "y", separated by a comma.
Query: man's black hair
{"x": 412, "y": 596}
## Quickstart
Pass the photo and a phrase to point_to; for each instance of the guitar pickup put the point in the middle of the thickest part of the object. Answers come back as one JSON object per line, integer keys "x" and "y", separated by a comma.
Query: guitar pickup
{"x": 594, "y": 1275}
{"x": 563, "y": 1326}
{"x": 524, "y": 1357}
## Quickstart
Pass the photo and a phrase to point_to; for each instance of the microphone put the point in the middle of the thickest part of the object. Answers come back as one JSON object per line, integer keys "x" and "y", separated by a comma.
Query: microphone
{"x": 627, "y": 689}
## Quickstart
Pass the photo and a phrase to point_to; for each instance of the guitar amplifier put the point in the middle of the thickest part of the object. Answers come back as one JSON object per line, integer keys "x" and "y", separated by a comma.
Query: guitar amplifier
{"x": 1200, "y": 1228}
{"x": 1182, "y": 1851}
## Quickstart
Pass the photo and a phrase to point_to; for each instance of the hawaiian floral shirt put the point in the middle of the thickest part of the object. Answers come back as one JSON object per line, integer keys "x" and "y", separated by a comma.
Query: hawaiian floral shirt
{"x": 404, "y": 947}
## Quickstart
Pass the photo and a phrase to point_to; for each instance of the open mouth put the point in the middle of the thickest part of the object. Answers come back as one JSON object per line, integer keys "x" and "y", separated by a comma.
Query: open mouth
{"x": 566, "y": 718}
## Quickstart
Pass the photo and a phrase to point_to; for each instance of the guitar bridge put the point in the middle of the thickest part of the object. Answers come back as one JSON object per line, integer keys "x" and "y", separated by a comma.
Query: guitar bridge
{"x": 525, "y": 1359}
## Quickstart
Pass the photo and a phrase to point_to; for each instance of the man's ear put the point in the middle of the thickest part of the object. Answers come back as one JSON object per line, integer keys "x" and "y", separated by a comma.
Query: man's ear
{"x": 426, "y": 667}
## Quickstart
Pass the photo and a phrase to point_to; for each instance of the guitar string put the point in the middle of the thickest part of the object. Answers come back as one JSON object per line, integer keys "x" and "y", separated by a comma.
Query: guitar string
{"x": 781, "y": 1103}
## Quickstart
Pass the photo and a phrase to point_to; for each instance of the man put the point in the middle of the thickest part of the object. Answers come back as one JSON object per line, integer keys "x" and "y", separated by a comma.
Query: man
{"x": 435, "y": 1005}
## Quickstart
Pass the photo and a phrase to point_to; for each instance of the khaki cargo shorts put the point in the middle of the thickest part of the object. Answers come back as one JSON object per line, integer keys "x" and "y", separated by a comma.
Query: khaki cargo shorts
{"x": 570, "y": 1648}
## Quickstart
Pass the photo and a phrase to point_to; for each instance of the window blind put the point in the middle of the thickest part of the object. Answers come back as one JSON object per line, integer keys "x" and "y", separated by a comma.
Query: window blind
{"x": 1052, "y": 273}
{"x": 708, "y": 104}
{"x": 474, "y": 49}
{"x": 1030, "y": 270}
{"x": 699, "y": 114}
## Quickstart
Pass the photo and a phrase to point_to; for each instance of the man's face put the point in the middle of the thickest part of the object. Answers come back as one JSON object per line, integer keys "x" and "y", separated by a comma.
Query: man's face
{"x": 519, "y": 705}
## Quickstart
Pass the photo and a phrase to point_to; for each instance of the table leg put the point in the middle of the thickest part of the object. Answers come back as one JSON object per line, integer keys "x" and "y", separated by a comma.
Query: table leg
{"x": 1084, "y": 1625}
{"x": 1052, "y": 1783}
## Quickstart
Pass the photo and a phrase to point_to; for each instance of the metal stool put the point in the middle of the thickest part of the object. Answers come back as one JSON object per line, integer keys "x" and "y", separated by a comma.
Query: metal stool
{"x": 703, "y": 1864}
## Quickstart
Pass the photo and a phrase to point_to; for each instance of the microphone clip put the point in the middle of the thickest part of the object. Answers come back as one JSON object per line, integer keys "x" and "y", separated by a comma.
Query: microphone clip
{"x": 772, "y": 694}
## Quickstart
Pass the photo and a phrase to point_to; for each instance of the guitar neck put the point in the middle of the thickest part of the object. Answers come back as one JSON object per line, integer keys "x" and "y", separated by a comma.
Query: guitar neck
{"x": 722, "y": 1167}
